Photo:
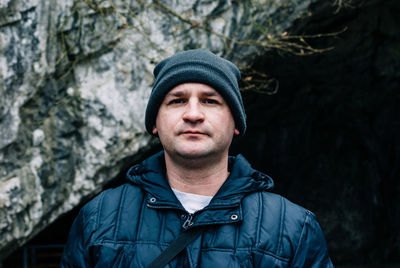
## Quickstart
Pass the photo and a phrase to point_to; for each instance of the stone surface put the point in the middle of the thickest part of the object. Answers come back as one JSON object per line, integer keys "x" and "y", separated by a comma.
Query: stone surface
{"x": 74, "y": 79}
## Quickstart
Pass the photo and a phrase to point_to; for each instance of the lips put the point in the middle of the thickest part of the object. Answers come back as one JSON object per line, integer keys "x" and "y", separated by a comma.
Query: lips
{"x": 193, "y": 132}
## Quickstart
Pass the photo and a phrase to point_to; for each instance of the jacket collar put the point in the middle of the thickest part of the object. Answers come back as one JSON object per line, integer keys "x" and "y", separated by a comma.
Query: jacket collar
{"x": 243, "y": 179}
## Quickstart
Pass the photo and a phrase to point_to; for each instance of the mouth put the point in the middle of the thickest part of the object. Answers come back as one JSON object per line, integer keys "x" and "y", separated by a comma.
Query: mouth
{"x": 193, "y": 132}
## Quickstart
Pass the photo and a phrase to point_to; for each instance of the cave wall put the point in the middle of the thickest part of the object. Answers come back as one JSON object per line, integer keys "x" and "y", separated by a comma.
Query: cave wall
{"x": 74, "y": 79}
{"x": 330, "y": 135}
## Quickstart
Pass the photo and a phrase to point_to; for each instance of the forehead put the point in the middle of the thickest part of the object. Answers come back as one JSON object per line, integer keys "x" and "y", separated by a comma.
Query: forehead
{"x": 193, "y": 89}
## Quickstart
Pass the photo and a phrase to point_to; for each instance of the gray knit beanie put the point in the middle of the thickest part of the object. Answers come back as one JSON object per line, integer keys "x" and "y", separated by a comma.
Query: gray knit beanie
{"x": 197, "y": 66}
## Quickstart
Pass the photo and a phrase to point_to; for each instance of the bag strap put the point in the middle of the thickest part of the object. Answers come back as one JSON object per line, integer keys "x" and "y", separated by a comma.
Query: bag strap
{"x": 183, "y": 240}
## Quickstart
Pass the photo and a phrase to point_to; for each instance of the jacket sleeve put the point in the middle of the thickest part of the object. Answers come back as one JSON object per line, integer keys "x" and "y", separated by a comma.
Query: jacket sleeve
{"x": 76, "y": 251}
{"x": 311, "y": 250}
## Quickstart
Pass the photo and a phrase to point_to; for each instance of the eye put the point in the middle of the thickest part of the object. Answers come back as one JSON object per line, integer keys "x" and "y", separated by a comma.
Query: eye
{"x": 210, "y": 101}
{"x": 177, "y": 101}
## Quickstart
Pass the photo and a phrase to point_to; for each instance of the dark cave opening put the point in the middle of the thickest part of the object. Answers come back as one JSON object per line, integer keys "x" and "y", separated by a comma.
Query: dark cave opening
{"x": 329, "y": 136}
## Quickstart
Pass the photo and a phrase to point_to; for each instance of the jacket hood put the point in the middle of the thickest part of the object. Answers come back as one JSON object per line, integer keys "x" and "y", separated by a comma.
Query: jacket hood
{"x": 243, "y": 179}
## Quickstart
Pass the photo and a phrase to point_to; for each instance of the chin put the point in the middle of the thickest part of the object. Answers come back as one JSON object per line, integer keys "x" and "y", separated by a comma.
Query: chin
{"x": 194, "y": 154}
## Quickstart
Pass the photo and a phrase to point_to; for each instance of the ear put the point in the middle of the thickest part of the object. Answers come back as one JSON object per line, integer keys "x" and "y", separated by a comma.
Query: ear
{"x": 236, "y": 132}
{"x": 154, "y": 131}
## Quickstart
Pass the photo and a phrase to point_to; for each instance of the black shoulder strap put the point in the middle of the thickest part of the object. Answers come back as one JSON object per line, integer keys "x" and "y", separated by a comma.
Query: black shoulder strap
{"x": 175, "y": 248}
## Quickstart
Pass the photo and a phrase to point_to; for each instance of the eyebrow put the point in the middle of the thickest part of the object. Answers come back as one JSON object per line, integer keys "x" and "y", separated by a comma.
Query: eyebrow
{"x": 181, "y": 93}
{"x": 175, "y": 94}
{"x": 210, "y": 93}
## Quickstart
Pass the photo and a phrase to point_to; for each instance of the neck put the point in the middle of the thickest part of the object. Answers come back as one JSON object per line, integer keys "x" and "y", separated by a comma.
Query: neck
{"x": 203, "y": 177}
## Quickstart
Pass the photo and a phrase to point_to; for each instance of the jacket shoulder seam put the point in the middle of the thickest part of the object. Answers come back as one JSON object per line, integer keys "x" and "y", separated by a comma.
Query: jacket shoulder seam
{"x": 140, "y": 216}
{"x": 99, "y": 209}
{"x": 118, "y": 217}
{"x": 307, "y": 216}
{"x": 281, "y": 226}
{"x": 260, "y": 215}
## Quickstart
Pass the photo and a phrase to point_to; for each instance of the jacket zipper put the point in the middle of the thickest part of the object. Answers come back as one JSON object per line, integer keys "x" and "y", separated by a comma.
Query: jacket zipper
{"x": 188, "y": 222}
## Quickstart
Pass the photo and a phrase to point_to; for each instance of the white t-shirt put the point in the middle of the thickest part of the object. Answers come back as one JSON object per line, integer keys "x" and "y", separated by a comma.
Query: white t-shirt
{"x": 192, "y": 202}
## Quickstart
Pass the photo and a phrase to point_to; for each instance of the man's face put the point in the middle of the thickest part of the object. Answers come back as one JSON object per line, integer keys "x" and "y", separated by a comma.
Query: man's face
{"x": 194, "y": 121}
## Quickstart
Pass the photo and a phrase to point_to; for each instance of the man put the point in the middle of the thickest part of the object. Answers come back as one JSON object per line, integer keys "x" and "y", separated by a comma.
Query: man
{"x": 193, "y": 186}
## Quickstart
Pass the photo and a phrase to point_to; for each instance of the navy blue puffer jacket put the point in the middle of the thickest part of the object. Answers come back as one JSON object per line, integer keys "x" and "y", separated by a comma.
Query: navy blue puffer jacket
{"x": 244, "y": 225}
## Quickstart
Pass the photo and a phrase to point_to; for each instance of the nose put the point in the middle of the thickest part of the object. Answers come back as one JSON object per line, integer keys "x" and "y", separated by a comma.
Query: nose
{"x": 193, "y": 112}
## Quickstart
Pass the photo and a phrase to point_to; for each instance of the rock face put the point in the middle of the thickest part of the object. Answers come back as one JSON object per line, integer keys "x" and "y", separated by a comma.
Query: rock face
{"x": 74, "y": 79}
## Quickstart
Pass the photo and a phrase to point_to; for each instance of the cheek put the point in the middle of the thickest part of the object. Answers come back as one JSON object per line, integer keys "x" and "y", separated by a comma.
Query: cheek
{"x": 228, "y": 120}
{"x": 164, "y": 122}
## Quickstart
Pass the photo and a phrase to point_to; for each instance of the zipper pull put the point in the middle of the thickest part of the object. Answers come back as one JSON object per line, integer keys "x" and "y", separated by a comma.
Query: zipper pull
{"x": 188, "y": 221}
